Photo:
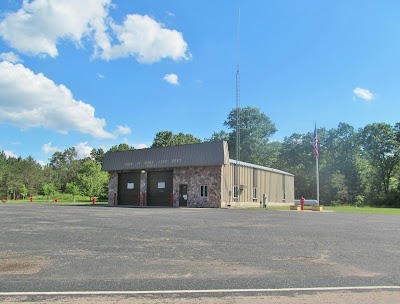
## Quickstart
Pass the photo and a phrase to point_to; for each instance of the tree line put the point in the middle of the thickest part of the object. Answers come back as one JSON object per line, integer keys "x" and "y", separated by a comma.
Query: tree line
{"x": 65, "y": 173}
{"x": 356, "y": 167}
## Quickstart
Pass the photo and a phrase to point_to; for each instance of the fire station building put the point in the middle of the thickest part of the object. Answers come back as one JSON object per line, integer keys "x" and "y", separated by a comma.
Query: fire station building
{"x": 195, "y": 175}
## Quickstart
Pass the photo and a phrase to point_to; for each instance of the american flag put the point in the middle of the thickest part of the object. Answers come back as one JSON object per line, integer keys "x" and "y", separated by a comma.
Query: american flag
{"x": 316, "y": 152}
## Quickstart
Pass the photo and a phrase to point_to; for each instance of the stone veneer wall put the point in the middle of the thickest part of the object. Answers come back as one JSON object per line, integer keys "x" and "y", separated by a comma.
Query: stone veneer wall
{"x": 195, "y": 177}
{"x": 113, "y": 188}
{"x": 143, "y": 188}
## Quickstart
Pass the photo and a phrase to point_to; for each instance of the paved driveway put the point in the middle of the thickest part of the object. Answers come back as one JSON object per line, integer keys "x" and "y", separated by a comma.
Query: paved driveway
{"x": 90, "y": 248}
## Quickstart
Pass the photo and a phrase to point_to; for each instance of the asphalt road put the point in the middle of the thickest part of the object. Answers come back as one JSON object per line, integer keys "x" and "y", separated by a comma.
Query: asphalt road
{"x": 91, "y": 248}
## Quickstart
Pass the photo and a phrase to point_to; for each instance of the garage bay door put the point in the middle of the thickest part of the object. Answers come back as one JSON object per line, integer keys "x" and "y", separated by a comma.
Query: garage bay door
{"x": 128, "y": 188}
{"x": 159, "y": 188}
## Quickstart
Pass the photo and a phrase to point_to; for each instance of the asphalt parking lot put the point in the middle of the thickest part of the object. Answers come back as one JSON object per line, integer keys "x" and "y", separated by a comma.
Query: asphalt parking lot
{"x": 92, "y": 248}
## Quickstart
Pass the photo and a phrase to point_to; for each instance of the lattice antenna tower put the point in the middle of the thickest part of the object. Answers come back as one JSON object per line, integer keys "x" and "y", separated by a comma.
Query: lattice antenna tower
{"x": 238, "y": 111}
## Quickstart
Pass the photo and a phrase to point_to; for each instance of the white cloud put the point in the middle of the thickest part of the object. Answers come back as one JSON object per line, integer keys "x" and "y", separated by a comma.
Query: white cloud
{"x": 41, "y": 163}
{"x": 101, "y": 76}
{"x": 145, "y": 39}
{"x": 364, "y": 94}
{"x": 172, "y": 79}
{"x": 122, "y": 130}
{"x": 83, "y": 150}
{"x": 47, "y": 148}
{"x": 39, "y": 26}
{"x": 10, "y": 57}
{"x": 9, "y": 154}
{"x": 141, "y": 146}
{"x": 32, "y": 100}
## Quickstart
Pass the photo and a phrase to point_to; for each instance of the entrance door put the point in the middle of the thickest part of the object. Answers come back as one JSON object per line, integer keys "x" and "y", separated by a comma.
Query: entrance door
{"x": 183, "y": 197}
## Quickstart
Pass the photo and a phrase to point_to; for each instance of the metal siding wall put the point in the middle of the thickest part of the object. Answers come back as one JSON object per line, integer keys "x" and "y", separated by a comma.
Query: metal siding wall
{"x": 272, "y": 188}
{"x": 279, "y": 187}
{"x": 228, "y": 180}
{"x": 259, "y": 186}
{"x": 241, "y": 182}
{"x": 290, "y": 189}
{"x": 231, "y": 182}
{"x": 223, "y": 183}
{"x": 268, "y": 183}
{"x": 264, "y": 178}
{"x": 226, "y": 153}
{"x": 246, "y": 180}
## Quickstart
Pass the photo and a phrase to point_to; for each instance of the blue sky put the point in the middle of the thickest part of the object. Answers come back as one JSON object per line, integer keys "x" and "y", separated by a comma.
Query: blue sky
{"x": 112, "y": 71}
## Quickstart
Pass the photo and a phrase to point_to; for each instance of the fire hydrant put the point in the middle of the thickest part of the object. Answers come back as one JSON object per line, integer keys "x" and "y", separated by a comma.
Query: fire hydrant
{"x": 31, "y": 199}
{"x": 56, "y": 200}
{"x": 302, "y": 203}
{"x": 94, "y": 200}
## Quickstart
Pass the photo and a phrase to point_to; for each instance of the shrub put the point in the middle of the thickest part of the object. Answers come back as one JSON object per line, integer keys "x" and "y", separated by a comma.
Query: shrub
{"x": 335, "y": 203}
{"x": 359, "y": 202}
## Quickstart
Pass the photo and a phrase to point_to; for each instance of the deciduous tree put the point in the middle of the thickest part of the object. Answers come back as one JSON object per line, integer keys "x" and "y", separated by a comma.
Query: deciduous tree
{"x": 255, "y": 130}
{"x": 167, "y": 138}
{"x": 219, "y": 136}
{"x": 65, "y": 165}
{"x": 91, "y": 180}
{"x": 121, "y": 147}
{"x": 97, "y": 155}
{"x": 48, "y": 190}
{"x": 381, "y": 146}
{"x": 73, "y": 189}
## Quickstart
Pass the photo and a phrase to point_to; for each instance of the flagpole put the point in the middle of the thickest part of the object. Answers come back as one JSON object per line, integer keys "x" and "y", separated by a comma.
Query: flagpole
{"x": 316, "y": 155}
{"x": 316, "y": 163}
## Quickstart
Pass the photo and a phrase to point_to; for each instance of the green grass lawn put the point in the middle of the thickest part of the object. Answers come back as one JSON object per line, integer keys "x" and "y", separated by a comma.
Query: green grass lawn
{"x": 342, "y": 209}
{"x": 52, "y": 202}
{"x": 368, "y": 210}
{"x": 351, "y": 209}
{"x": 64, "y": 199}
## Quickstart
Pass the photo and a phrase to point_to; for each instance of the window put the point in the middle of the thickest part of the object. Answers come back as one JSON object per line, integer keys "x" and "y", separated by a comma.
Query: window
{"x": 204, "y": 191}
{"x": 235, "y": 191}
{"x": 254, "y": 193}
{"x": 130, "y": 186}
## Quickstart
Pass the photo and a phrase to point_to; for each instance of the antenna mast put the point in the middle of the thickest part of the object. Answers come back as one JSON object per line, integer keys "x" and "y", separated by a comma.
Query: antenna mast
{"x": 237, "y": 181}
